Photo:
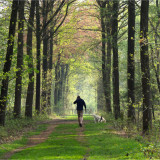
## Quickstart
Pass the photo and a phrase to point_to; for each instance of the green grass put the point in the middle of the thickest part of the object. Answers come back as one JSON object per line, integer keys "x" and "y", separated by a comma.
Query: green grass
{"x": 106, "y": 145}
{"x": 74, "y": 117}
{"x": 4, "y": 148}
{"x": 63, "y": 144}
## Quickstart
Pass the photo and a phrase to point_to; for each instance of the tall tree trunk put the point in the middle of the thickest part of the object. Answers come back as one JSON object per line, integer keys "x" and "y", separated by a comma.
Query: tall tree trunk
{"x": 62, "y": 81}
{"x": 45, "y": 53}
{"x": 108, "y": 62}
{"x": 56, "y": 86}
{"x": 38, "y": 75}
{"x": 131, "y": 65}
{"x": 57, "y": 82}
{"x": 105, "y": 64}
{"x": 100, "y": 95}
{"x": 50, "y": 75}
{"x": 29, "y": 99}
{"x": 66, "y": 90}
{"x": 65, "y": 85}
{"x": 18, "y": 88}
{"x": 145, "y": 66}
{"x": 116, "y": 100}
{"x": 8, "y": 60}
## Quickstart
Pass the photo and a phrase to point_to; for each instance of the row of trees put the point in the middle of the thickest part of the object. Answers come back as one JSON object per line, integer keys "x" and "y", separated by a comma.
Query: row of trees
{"x": 112, "y": 16}
{"x": 43, "y": 19}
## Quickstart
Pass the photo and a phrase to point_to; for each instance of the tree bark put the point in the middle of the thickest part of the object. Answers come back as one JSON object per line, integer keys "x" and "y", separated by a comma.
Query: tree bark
{"x": 8, "y": 60}
{"x": 57, "y": 82}
{"x": 18, "y": 88}
{"x": 116, "y": 100}
{"x": 108, "y": 62}
{"x": 50, "y": 66}
{"x": 131, "y": 64}
{"x": 38, "y": 75}
{"x": 145, "y": 66}
{"x": 101, "y": 103}
{"x": 45, "y": 54}
{"x": 30, "y": 90}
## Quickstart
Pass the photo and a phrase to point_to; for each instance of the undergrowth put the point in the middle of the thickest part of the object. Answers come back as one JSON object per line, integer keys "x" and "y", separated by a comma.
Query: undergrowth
{"x": 21, "y": 141}
{"x": 15, "y": 127}
{"x": 151, "y": 148}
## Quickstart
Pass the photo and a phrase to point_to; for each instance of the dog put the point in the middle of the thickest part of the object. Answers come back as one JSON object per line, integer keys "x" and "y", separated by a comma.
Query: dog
{"x": 98, "y": 119}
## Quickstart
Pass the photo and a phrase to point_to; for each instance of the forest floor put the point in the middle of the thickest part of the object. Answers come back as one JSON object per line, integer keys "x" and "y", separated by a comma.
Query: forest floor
{"x": 63, "y": 139}
{"x": 40, "y": 138}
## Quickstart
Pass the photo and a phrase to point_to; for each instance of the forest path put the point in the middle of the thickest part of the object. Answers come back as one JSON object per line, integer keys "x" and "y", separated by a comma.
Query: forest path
{"x": 82, "y": 140}
{"x": 37, "y": 139}
{"x": 64, "y": 139}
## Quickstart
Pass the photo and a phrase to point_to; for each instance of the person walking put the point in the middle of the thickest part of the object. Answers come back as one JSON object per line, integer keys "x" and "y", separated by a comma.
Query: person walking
{"x": 80, "y": 103}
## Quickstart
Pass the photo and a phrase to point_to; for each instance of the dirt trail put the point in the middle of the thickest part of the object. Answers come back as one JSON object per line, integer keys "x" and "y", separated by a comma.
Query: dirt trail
{"x": 36, "y": 139}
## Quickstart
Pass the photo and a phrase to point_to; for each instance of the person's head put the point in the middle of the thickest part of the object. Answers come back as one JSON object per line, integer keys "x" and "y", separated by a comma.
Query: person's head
{"x": 78, "y": 97}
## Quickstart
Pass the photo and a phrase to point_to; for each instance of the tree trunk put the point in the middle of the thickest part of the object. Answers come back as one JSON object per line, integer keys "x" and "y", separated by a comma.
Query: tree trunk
{"x": 38, "y": 75}
{"x": 116, "y": 101}
{"x": 108, "y": 62}
{"x": 29, "y": 99}
{"x": 45, "y": 54}
{"x": 101, "y": 103}
{"x": 8, "y": 60}
{"x": 65, "y": 86}
{"x": 105, "y": 64}
{"x": 18, "y": 88}
{"x": 57, "y": 82}
{"x": 131, "y": 65}
{"x": 145, "y": 66}
{"x": 50, "y": 76}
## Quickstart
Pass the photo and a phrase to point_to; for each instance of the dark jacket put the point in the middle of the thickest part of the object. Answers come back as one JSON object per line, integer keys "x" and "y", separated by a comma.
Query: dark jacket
{"x": 80, "y": 103}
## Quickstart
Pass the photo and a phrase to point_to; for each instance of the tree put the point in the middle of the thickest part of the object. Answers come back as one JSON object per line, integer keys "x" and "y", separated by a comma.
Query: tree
{"x": 30, "y": 90}
{"x": 7, "y": 65}
{"x": 45, "y": 13}
{"x": 106, "y": 62}
{"x": 155, "y": 23}
{"x": 131, "y": 65}
{"x": 145, "y": 66}
{"x": 38, "y": 56}
{"x": 57, "y": 82}
{"x": 18, "y": 88}
{"x": 116, "y": 100}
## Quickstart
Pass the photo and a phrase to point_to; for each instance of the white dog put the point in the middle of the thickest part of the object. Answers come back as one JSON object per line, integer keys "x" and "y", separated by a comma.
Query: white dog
{"x": 98, "y": 118}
